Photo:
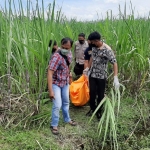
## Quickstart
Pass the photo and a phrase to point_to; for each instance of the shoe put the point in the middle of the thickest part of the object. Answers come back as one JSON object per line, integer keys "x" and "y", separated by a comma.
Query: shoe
{"x": 98, "y": 115}
{"x": 72, "y": 123}
{"x": 54, "y": 130}
{"x": 89, "y": 113}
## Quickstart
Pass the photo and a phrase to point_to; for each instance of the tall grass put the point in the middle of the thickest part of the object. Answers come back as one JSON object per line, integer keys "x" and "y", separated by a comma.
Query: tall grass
{"x": 24, "y": 37}
{"x": 107, "y": 126}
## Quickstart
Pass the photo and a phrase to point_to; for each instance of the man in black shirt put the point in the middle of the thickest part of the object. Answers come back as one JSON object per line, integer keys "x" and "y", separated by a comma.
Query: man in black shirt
{"x": 87, "y": 55}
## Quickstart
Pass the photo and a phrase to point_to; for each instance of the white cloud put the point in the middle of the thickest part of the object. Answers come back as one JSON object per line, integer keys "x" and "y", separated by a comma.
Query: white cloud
{"x": 88, "y": 9}
{"x": 112, "y": 1}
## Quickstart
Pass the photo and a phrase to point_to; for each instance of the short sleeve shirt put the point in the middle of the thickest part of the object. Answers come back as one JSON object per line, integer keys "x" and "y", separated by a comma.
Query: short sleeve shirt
{"x": 60, "y": 68}
{"x": 87, "y": 53}
{"x": 100, "y": 57}
{"x": 79, "y": 51}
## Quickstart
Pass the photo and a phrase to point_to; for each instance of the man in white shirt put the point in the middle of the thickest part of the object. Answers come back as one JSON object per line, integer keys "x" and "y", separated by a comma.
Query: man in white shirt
{"x": 80, "y": 46}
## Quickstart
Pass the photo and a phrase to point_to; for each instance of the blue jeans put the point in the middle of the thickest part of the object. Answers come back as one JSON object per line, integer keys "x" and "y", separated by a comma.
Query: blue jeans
{"x": 61, "y": 100}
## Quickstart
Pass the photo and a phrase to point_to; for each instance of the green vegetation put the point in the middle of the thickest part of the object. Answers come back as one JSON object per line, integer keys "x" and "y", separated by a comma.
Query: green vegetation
{"x": 24, "y": 102}
{"x": 85, "y": 134}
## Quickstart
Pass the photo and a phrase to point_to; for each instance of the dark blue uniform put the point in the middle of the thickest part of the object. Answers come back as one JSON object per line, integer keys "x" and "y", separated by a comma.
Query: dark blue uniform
{"x": 87, "y": 53}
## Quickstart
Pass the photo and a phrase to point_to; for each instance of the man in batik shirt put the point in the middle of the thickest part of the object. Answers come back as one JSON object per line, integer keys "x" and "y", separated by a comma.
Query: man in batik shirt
{"x": 101, "y": 54}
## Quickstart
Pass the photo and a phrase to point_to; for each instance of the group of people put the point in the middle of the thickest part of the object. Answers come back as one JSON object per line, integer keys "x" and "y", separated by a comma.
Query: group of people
{"x": 91, "y": 59}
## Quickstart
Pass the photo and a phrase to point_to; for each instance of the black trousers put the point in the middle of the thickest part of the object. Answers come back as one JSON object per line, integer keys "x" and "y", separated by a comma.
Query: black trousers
{"x": 97, "y": 87}
{"x": 78, "y": 69}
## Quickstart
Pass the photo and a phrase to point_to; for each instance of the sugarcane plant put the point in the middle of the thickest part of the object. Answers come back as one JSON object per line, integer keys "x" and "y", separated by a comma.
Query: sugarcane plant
{"x": 107, "y": 126}
{"x": 24, "y": 37}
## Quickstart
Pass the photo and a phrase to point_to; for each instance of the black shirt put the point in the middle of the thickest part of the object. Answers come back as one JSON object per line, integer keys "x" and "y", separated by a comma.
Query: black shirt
{"x": 87, "y": 53}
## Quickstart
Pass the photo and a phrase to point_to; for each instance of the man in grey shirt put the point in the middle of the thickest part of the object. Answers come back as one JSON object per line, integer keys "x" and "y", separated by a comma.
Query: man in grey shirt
{"x": 80, "y": 46}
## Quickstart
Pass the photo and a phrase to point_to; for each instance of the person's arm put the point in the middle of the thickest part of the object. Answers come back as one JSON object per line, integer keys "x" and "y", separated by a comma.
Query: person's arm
{"x": 75, "y": 53}
{"x": 113, "y": 60}
{"x": 86, "y": 62}
{"x": 50, "y": 82}
{"x": 85, "y": 71}
{"x": 90, "y": 62}
{"x": 53, "y": 65}
{"x": 86, "y": 58}
{"x": 115, "y": 67}
{"x": 70, "y": 66}
{"x": 116, "y": 81}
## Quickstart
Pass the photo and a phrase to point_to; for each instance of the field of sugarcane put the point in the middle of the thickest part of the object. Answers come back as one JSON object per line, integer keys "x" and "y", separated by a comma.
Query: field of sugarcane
{"x": 24, "y": 103}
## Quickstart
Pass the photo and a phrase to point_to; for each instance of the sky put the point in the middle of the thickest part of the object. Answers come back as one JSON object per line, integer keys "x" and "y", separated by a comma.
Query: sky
{"x": 88, "y": 10}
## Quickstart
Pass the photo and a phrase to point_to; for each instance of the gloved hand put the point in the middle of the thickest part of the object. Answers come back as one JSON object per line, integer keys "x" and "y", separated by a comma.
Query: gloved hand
{"x": 116, "y": 83}
{"x": 85, "y": 71}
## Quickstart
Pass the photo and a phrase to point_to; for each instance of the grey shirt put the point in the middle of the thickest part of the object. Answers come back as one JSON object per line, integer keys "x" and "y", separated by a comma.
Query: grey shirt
{"x": 79, "y": 51}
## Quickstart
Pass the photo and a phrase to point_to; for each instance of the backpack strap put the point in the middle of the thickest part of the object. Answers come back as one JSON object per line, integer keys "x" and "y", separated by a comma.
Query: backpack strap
{"x": 65, "y": 57}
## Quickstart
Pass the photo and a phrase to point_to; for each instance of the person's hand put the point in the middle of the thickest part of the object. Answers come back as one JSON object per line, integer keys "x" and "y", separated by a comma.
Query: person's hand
{"x": 116, "y": 83}
{"x": 85, "y": 71}
{"x": 70, "y": 78}
{"x": 70, "y": 75}
{"x": 51, "y": 95}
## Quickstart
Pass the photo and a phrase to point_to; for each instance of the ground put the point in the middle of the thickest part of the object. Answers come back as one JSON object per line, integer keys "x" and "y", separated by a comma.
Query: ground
{"x": 133, "y": 131}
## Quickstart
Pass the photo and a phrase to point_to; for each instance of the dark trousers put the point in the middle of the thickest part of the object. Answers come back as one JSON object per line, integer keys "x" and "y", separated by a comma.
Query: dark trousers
{"x": 78, "y": 69}
{"x": 97, "y": 87}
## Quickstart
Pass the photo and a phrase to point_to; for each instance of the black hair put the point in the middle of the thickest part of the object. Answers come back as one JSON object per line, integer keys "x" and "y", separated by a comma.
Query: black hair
{"x": 65, "y": 40}
{"x": 89, "y": 37}
{"x": 51, "y": 42}
{"x": 82, "y": 35}
{"x": 94, "y": 36}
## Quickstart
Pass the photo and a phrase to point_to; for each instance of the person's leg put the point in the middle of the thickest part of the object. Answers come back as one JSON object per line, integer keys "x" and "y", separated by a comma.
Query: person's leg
{"x": 76, "y": 69}
{"x": 81, "y": 68}
{"x": 57, "y": 102}
{"x": 100, "y": 92}
{"x": 65, "y": 103}
{"x": 93, "y": 87}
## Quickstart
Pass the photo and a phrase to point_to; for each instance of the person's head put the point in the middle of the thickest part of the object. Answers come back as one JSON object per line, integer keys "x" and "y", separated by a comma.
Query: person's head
{"x": 95, "y": 39}
{"x": 89, "y": 42}
{"x": 54, "y": 47}
{"x": 81, "y": 38}
{"x": 66, "y": 45}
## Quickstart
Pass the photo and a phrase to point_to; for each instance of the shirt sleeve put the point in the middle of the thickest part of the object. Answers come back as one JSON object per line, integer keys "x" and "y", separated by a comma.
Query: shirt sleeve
{"x": 69, "y": 57}
{"x": 54, "y": 62}
{"x": 86, "y": 55}
{"x": 111, "y": 56}
{"x": 75, "y": 50}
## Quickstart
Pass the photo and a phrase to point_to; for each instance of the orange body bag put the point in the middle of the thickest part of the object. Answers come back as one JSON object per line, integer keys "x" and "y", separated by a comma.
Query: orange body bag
{"x": 79, "y": 91}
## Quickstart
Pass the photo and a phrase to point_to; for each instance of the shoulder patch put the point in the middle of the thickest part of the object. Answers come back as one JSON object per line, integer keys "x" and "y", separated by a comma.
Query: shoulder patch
{"x": 90, "y": 52}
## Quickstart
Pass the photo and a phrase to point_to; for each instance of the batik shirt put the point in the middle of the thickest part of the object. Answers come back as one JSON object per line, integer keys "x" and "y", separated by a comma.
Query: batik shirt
{"x": 100, "y": 57}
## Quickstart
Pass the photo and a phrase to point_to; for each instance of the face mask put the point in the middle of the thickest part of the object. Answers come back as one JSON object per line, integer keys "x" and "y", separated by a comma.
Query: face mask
{"x": 93, "y": 45}
{"x": 64, "y": 51}
{"x": 90, "y": 46}
{"x": 81, "y": 41}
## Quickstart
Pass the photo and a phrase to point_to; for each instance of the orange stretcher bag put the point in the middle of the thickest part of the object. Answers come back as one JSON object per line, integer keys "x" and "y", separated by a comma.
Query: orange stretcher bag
{"x": 79, "y": 91}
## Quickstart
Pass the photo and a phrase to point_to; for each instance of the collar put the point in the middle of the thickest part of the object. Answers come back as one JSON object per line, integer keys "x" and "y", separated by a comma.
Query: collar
{"x": 101, "y": 46}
